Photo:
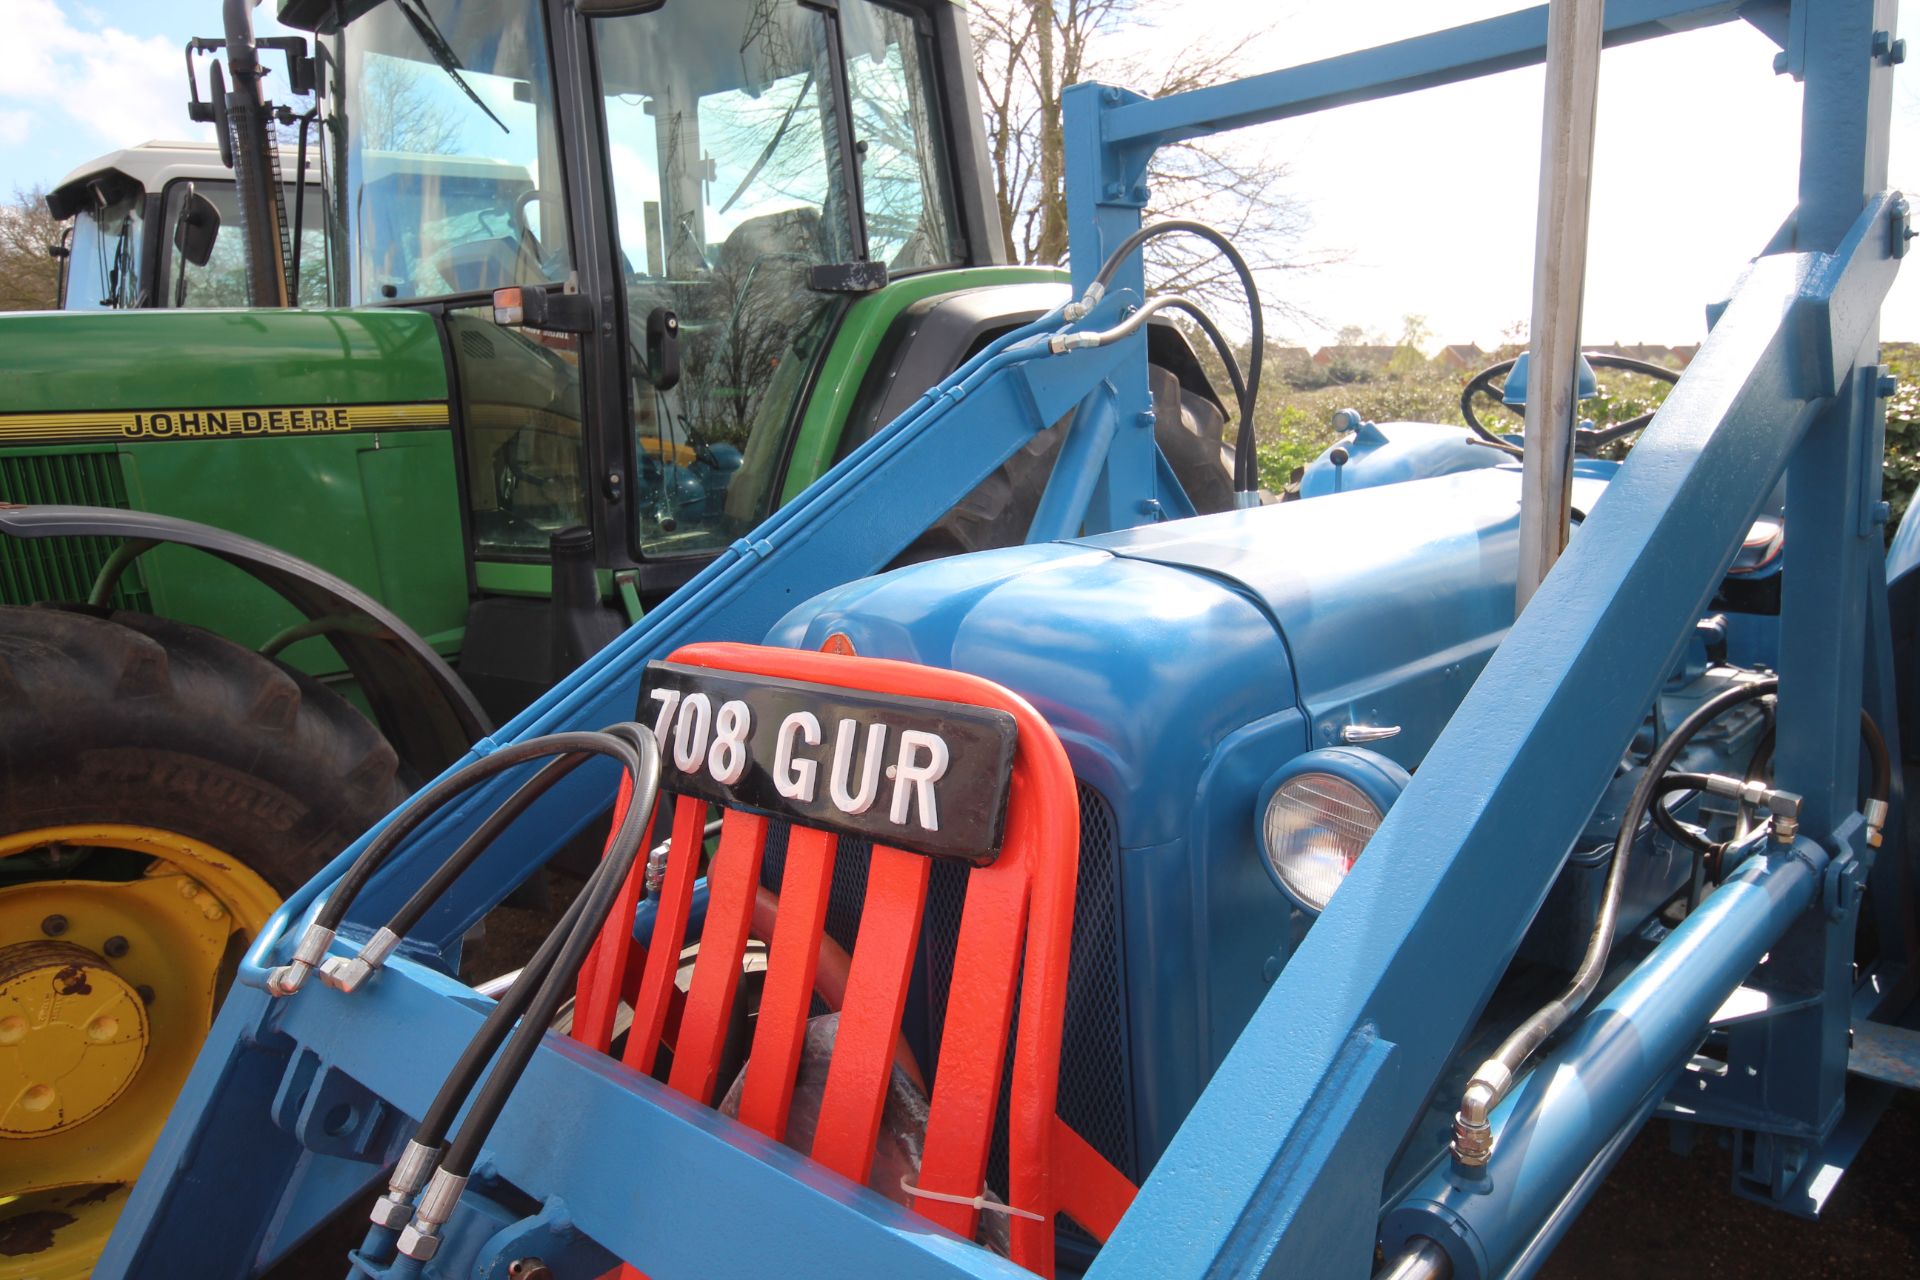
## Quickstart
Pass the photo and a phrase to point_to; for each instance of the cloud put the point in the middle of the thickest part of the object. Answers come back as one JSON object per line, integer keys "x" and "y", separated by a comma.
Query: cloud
{"x": 85, "y": 82}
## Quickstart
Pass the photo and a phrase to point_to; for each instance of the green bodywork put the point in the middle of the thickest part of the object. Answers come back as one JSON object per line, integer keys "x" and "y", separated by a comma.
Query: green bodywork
{"x": 844, "y": 367}
{"x": 378, "y": 508}
{"x": 382, "y": 509}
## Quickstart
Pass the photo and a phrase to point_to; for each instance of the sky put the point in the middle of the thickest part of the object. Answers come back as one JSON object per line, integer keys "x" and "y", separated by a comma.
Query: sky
{"x": 1424, "y": 203}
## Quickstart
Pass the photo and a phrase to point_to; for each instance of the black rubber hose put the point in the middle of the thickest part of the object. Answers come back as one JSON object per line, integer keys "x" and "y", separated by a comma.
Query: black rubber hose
{"x": 428, "y": 802}
{"x": 1245, "y": 470}
{"x": 482, "y": 839}
{"x": 1881, "y": 783}
{"x": 500, "y": 1019}
{"x": 1877, "y": 751}
{"x": 491, "y": 1097}
{"x": 1677, "y": 830}
{"x": 519, "y": 994}
{"x": 1225, "y": 351}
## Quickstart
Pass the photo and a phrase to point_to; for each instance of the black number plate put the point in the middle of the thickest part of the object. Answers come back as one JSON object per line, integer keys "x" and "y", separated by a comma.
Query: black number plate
{"x": 914, "y": 773}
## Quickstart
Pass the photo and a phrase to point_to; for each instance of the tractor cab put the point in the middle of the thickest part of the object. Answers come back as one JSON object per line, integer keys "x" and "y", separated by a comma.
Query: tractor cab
{"x": 690, "y": 201}
{"x": 145, "y": 232}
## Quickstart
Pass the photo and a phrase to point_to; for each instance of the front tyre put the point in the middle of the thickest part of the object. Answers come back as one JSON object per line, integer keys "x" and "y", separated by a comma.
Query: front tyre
{"x": 160, "y": 791}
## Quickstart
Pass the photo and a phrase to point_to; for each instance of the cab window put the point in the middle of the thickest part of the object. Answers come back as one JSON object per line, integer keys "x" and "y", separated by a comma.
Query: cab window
{"x": 103, "y": 267}
{"x": 732, "y": 182}
{"x": 453, "y": 178}
{"x": 223, "y": 281}
{"x": 904, "y": 168}
{"x": 520, "y": 409}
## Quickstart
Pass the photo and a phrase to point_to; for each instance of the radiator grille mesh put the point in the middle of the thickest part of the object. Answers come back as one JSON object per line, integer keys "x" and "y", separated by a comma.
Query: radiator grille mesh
{"x": 36, "y": 569}
{"x": 1093, "y": 1067}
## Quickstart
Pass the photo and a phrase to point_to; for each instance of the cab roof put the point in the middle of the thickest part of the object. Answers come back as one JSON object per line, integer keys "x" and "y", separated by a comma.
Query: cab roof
{"x": 134, "y": 171}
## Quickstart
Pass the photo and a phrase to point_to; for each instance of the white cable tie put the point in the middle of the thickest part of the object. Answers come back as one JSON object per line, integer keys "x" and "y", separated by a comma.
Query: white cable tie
{"x": 978, "y": 1202}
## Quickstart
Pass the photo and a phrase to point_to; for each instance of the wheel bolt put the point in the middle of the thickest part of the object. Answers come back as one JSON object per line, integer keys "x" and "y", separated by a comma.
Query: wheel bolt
{"x": 54, "y": 926}
{"x": 103, "y": 1028}
{"x": 13, "y": 1029}
{"x": 38, "y": 1098}
{"x": 145, "y": 993}
{"x": 115, "y": 947}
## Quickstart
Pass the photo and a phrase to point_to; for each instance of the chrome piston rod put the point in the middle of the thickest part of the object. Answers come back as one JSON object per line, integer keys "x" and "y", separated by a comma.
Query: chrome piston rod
{"x": 1562, "y": 1127}
{"x": 1574, "y": 30}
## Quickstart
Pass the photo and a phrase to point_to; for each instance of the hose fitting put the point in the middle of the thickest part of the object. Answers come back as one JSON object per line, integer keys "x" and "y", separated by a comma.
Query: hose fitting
{"x": 346, "y": 975}
{"x": 1074, "y": 311}
{"x": 1876, "y": 816}
{"x": 289, "y": 977}
{"x": 421, "y": 1239}
{"x": 1473, "y": 1123}
{"x": 657, "y": 868}
{"x": 410, "y": 1173}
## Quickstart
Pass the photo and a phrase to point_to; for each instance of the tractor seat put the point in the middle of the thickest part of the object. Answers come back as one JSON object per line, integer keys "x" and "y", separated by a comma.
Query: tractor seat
{"x": 1013, "y": 941}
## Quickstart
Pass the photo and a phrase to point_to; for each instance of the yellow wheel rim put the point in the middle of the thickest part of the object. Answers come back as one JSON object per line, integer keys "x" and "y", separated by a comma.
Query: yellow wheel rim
{"x": 107, "y": 988}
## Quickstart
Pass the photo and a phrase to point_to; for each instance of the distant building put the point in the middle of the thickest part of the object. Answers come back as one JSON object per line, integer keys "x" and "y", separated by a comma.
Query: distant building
{"x": 1462, "y": 357}
{"x": 1652, "y": 353}
{"x": 1360, "y": 357}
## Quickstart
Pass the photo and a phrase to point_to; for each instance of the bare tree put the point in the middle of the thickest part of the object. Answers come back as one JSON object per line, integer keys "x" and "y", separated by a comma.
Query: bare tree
{"x": 29, "y": 273}
{"x": 400, "y": 114}
{"x": 1027, "y": 52}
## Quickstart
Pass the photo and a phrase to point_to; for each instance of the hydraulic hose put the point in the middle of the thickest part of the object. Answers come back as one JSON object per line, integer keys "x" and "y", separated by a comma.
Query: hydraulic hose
{"x": 313, "y": 944}
{"x": 1221, "y": 347}
{"x": 1473, "y": 1135}
{"x": 1125, "y": 329}
{"x": 347, "y": 975}
{"x": 1245, "y": 470}
{"x": 1881, "y": 787}
{"x": 416, "y": 1164}
{"x": 632, "y": 814}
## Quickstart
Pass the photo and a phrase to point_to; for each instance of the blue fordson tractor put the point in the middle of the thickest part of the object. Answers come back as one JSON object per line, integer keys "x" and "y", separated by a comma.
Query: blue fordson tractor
{"x": 1318, "y": 888}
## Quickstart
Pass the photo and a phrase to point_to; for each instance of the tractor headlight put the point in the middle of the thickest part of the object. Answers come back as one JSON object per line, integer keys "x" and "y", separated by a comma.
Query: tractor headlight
{"x": 1317, "y": 814}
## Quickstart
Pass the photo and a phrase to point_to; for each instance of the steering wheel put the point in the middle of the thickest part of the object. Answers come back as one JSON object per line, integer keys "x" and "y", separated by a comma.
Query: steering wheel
{"x": 1585, "y": 441}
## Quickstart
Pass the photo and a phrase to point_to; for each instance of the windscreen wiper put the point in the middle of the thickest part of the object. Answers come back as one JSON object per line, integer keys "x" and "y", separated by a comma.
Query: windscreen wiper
{"x": 443, "y": 54}
{"x": 766, "y": 153}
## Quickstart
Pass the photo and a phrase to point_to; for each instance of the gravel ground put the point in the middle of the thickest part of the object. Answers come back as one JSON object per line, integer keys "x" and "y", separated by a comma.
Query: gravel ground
{"x": 1663, "y": 1215}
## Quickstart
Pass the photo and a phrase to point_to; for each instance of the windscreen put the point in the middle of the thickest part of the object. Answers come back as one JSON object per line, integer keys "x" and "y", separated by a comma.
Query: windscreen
{"x": 749, "y": 142}
{"x": 452, "y": 181}
{"x": 103, "y": 265}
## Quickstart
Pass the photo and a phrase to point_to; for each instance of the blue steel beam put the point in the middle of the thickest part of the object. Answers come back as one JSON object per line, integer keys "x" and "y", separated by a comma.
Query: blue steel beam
{"x": 1423, "y": 62}
{"x": 1846, "y": 109}
{"x": 1278, "y": 1169}
{"x": 655, "y": 1178}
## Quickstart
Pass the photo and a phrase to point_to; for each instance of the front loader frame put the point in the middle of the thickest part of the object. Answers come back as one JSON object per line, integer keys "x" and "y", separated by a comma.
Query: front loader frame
{"x": 1286, "y": 1164}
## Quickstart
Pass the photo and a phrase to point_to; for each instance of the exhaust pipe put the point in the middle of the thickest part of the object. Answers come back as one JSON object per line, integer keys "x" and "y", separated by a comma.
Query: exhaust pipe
{"x": 248, "y": 124}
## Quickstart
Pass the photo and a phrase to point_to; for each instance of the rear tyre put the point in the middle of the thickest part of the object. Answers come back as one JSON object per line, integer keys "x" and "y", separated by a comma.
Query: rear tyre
{"x": 160, "y": 791}
{"x": 128, "y": 718}
{"x": 1187, "y": 427}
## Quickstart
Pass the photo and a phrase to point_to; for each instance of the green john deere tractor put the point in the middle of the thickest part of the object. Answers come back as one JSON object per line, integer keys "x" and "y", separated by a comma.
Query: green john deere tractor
{"x": 609, "y": 283}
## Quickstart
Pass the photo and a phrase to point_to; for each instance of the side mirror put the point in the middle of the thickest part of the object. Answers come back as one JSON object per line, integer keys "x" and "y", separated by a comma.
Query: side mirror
{"x": 663, "y": 349}
{"x": 198, "y": 228}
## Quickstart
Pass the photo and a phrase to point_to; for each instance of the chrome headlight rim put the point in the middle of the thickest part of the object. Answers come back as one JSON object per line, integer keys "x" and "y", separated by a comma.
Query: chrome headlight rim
{"x": 1378, "y": 779}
